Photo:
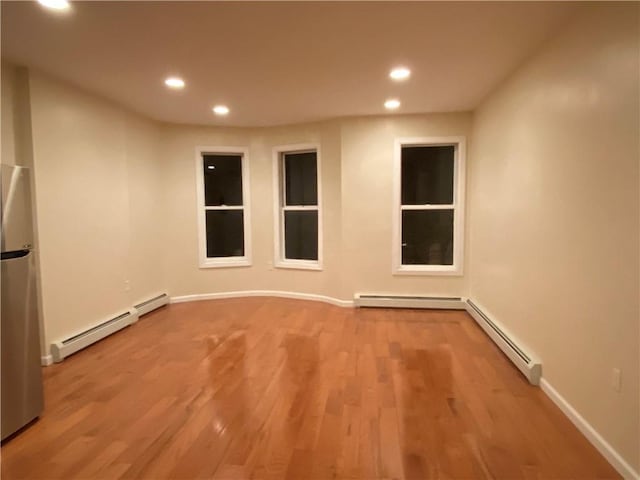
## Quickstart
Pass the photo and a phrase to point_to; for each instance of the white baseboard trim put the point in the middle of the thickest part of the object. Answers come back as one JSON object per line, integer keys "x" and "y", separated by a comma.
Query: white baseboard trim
{"x": 520, "y": 355}
{"x": 46, "y": 360}
{"x": 407, "y": 301}
{"x": 152, "y": 304}
{"x": 589, "y": 432}
{"x": 80, "y": 340}
{"x": 263, "y": 293}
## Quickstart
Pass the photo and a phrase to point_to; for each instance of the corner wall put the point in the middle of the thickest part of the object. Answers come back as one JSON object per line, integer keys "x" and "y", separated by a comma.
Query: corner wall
{"x": 367, "y": 192}
{"x": 356, "y": 158}
{"x": 116, "y": 203}
{"x": 553, "y": 199}
{"x": 181, "y": 256}
{"x": 97, "y": 187}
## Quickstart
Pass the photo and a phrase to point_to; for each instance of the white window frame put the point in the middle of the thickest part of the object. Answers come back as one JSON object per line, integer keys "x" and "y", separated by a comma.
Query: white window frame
{"x": 222, "y": 262}
{"x": 279, "y": 260}
{"x": 457, "y": 206}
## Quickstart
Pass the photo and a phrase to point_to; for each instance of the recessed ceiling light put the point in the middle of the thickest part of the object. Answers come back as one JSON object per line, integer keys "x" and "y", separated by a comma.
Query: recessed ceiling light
{"x": 211, "y": 167}
{"x": 174, "y": 82}
{"x": 400, "y": 73}
{"x": 220, "y": 109}
{"x": 392, "y": 104}
{"x": 55, "y": 4}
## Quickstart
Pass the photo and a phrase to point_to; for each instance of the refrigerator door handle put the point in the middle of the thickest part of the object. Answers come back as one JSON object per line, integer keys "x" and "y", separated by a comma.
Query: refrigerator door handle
{"x": 14, "y": 254}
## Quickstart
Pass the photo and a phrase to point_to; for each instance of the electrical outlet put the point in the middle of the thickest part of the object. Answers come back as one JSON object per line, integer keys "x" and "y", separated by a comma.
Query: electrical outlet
{"x": 127, "y": 285}
{"x": 616, "y": 379}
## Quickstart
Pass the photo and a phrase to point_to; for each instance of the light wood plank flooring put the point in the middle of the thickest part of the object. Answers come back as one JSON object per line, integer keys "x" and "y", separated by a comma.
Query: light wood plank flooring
{"x": 276, "y": 388}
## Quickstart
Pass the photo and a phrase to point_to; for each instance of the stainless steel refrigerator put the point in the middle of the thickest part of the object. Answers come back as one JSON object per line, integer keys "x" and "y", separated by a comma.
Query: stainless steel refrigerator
{"x": 21, "y": 382}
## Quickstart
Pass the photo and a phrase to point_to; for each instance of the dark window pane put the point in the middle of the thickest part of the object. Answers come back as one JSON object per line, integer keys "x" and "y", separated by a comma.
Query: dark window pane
{"x": 427, "y": 237}
{"x": 225, "y": 233}
{"x": 222, "y": 180}
{"x": 427, "y": 175}
{"x": 301, "y": 180}
{"x": 301, "y": 235}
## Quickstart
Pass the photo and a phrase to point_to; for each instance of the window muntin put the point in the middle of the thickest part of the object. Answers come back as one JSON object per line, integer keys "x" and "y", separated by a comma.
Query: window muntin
{"x": 222, "y": 204}
{"x": 428, "y": 215}
{"x": 298, "y": 228}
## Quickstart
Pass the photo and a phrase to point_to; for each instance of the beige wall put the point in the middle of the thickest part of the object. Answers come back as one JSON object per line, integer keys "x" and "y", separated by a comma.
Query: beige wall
{"x": 356, "y": 162}
{"x": 367, "y": 185}
{"x": 146, "y": 220}
{"x": 553, "y": 196}
{"x": 97, "y": 189}
{"x": 179, "y": 154}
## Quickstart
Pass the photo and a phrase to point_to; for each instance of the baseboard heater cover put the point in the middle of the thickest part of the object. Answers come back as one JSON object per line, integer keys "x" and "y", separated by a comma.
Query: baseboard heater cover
{"x": 62, "y": 349}
{"x": 527, "y": 363}
{"x": 408, "y": 301}
{"x": 152, "y": 304}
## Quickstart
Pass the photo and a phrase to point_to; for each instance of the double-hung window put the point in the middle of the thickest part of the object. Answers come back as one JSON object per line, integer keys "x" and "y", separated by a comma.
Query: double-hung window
{"x": 298, "y": 226}
{"x": 223, "y": 200}
{"x": 429, "y": 206}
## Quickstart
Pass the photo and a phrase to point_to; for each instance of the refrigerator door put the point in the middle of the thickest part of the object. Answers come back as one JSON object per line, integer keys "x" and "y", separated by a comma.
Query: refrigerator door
{"x": 21, "y": 382}
{"x": 17, "y": 229}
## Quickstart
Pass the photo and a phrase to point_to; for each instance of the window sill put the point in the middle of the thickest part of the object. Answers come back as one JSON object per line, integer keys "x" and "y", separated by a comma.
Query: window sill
{"x": 427, "y": 270}
{"x": 228, "y": 262}
{"x": 298, "y": 265}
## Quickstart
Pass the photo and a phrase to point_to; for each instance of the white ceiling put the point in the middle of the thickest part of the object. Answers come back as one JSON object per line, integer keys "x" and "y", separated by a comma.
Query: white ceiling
{"x": 278, "y": 63}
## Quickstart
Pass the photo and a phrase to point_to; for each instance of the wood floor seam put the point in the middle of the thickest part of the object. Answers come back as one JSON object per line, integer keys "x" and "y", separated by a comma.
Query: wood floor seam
{"x": 275, "y": 388}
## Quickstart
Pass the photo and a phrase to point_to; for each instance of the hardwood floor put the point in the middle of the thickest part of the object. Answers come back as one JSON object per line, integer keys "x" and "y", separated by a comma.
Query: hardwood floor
{"x": 276, "y": 388}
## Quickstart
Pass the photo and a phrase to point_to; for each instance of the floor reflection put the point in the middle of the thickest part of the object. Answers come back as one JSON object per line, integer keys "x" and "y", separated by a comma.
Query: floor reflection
{"x": 301, "y": 362}
{"x": 299, "y": 380}
{"x": 427, "y": 408}
{"x": 283, "y": 389}
{"x": 229, "y": 406}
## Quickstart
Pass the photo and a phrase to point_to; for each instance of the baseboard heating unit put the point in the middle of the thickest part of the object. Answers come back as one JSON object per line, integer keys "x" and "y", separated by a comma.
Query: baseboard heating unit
{"x": 153, "y": 303}
{"x": 61, "y": 350}
{"x": 405, "y": 301}
{"x": 530, "y": 366}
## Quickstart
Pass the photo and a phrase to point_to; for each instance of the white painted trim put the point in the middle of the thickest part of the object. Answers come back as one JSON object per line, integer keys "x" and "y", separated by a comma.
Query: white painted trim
{"x": 427, "y": 270}
{"x": 459, "y": 176}
{"x": 63, "y": 348}
{"x": 46, "y": 360}
{"x": 152, "y": 303}
{"x": 277, "y": 223}
{"x": 532, "y": 369}
{"x": 262, "y": 293}
{"x": 229, "y": 207}
{"x": 226, "y": 262}
{"x": 428, "y": 206}
{"x": 402, "y": 301}
{"x": 204, "y": 261}
{"x": 607, "y": 451}
{"x": 298, "y": 265}
{"x": 302, "y": 208}
{"x": 278, "y": 208}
